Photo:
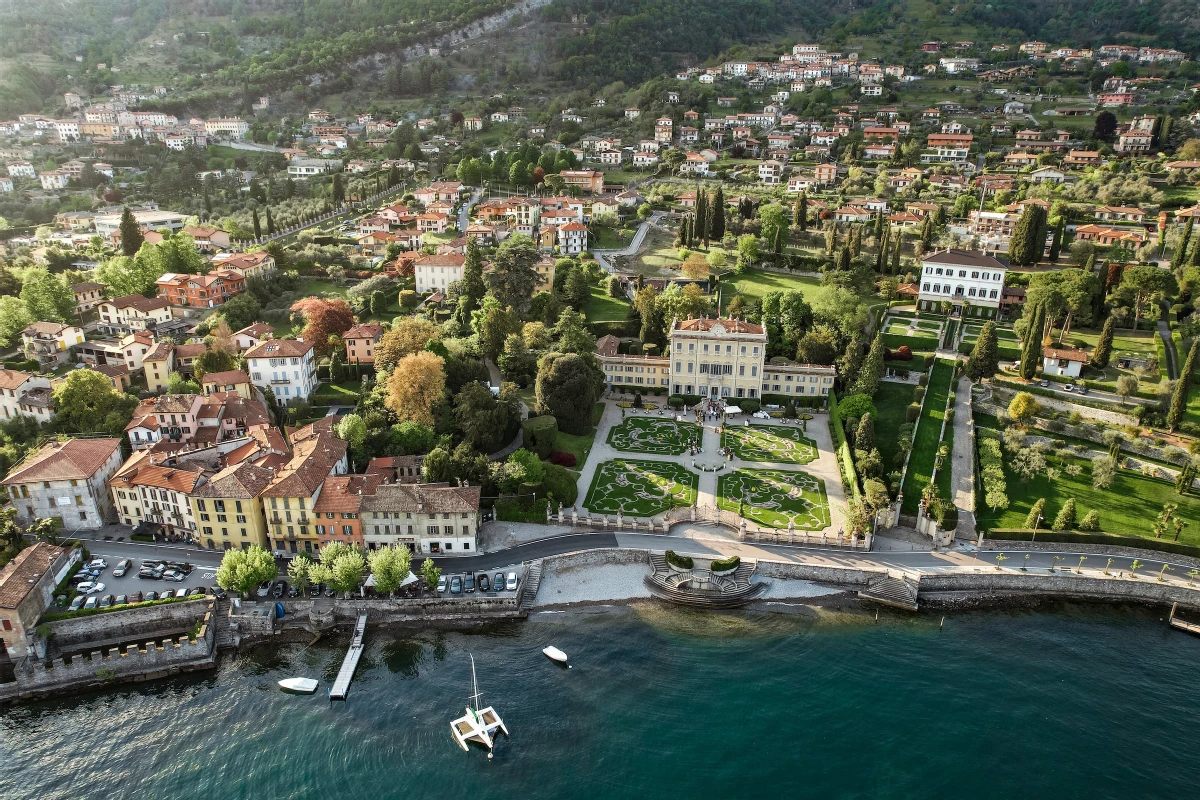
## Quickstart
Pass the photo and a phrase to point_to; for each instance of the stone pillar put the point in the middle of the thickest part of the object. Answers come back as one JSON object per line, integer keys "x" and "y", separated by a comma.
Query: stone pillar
{"x": 620, "y": 519}
{"x": 791, "y": 531}
{"x": 742, "y": 530}
{"x": 574, "y": 516}
{"x": 693, "y": 510}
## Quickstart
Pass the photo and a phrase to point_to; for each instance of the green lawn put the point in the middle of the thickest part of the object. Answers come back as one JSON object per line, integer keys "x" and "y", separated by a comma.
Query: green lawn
{"x": 772, "y": 444}
{"x": 1130, "y": 506}
{"x": 602, "y": 308}
{"x": 774, "y": 498}
{"x": 891, "y": 401}
{"x": 754, "y": 283}
{"x": 924, "y": 452}
{"x": 345, "y": 393}
{"x": 640, "y": 488}
{"x": 578, "y": 445}
{"x": 606, "y": 238}
{"x": 664, "y": 437}
{"x": 313, "y": 286}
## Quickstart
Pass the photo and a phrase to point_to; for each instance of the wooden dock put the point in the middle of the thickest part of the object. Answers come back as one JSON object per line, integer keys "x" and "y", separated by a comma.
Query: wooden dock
{"x": 1190, "y": 627}
{"x": 341, "y": 686}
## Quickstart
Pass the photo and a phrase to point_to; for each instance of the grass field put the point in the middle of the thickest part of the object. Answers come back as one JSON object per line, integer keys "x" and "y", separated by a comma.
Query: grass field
{"x": 640, "y": 488}
{"x": 664, "y": 437}
{"x": 771, "y": 444}
{"x": 891, "y": 401}
{"x": 1130, "y": 506}
{"x": 602, "y": 308}
{"x": 925, "y": 445}
{"x": 345, "y": 393}
{"x": 578, "y": 444}
{"x": 754, "y": 283}
{"x": 774, "y": 498}
{"x": 606, "y": 238}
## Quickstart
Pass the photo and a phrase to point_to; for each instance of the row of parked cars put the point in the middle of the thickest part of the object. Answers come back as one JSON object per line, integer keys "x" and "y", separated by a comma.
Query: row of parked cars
{"x": 278, "y": 589}
{"x": 109, "y": 600}
{"x": 176, "y": 571}
{"x": 457, "y": 584}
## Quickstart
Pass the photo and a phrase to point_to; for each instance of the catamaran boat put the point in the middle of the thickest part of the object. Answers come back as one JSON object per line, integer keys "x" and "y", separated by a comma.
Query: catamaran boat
{"x": 298, "y": 685}
{"x": 477, "y": 725}
{"x": 556, "y": 655}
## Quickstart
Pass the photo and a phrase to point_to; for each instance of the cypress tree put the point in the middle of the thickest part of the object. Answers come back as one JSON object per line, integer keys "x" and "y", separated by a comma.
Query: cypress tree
{"x": 131, "y": 234}
{"x": 927, "y": 232}
{"x": 1181, "y": 250}
{"x": 257, "y": 226}
{"x": 895, "y": 270}
{"x": 985, "y": 358}
{"x": 701, "y": 214}
{"x": 1182, "y": 387}
{"x": 844, "y": 259}
{"x": 778, "y": 244}
{"x": 1056, "y": 245}
{"x": 864, "y": 437}
{"x": 802, "y": 206}
{"x": 1029, "y": 237}
{"x": 716, "y": 230}
{"x": 1103, "y": 351}
{"x": 1032, "y": 349}
{"x": 270, "y": 224}
{"x": 871, "y": 371}
{"x": 939, "y": 216}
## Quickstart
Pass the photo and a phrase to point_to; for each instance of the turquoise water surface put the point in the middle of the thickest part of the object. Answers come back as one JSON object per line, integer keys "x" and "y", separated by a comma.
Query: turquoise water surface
{"x": 1072, "y": 701}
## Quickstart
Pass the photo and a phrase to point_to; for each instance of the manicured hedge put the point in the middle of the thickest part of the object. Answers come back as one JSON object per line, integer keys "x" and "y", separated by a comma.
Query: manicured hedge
{"x": 678, "y": 561}
{"x": 1083, "y": 537}
{"x": 88, "y": 612}
{"x": 561, "y": 485}
{"x": 722, "y": 564}
{"x": 804, "y": 401}
{"x": 538, "y": 435}
{"x": 613, "y": 327}
{"x": 893, "y": 341}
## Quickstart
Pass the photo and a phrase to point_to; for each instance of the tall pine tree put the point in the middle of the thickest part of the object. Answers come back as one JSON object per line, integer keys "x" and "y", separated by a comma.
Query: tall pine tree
{"x": 716, "y": 229}
{"x": 1103, "y": 351}
{"x": 1181, "y": 249}
{"x": 701, "y": 225}
{"x": 257, "y": 224}
{"x": 872, "y": 369}
{"x": 270, "y": 224}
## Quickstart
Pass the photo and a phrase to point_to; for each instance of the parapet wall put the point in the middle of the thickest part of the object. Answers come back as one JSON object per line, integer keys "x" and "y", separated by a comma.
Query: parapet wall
{"x": 1064, "y": 584}
{"x": 155, "y": 658}
{"x": 131, "y": 623}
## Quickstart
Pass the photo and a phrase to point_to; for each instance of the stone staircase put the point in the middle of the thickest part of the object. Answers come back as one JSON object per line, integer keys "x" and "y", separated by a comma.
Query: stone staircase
{"x": 658, "y": 562}
{"x": 730, "y": 591}
{"x": 533, "y": 579}
{"x": 894, "y": 589}
{"x": 224, "y": 632}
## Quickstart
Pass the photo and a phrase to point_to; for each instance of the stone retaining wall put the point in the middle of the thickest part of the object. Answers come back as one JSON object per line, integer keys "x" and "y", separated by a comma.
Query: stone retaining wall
{"x": 594, "y": 558}
{"x": 1079, "y": 547}
{"x": 133, "y": 623}
{"x": 1062, "y": 584}
{"x": 382, "y": 611}
{"x": 848, "y": 577}
{"x": 145, "y": 661}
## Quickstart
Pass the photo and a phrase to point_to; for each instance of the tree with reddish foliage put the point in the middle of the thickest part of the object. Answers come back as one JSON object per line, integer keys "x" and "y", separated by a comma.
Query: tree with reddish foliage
{"x": 539, "y": 175}
{"x": 1115, "y": 270}
{"x": 322, "y": 318}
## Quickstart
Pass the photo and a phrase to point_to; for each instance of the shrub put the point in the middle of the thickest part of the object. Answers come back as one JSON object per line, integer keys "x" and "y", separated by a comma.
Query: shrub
{"x": 538, "y": 434}
{"x": 913, "y": 412}
{"x": 1066, "y": 516}
{"x": 923, "y": 380}
{"x": 749, "y": 406}
{"x": 678, "y": 561}
{"x": 723, "y": 564}
{"x": 991, "y": 469}
{"x": 918, "y": 394}
{"x": 409, "y": 298}
{"x": 562, "y": 458}
{"x": 1090, "y": 521}
{"x": 903, "y": 353}
{"x": 561, "y": 484}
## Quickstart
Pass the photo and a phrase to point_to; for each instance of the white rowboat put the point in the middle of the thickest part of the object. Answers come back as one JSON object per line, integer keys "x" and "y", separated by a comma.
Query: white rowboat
{"x": 301, "y": 685}
{"x": 554, "y": 654}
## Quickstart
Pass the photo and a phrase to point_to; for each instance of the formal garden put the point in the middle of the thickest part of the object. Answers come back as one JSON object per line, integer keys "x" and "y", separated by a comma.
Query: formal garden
{"x": 774, "y": 498}
{"x": 772, "y": 444}
{"x": 663, "y": 437}
{"x": 639, "y": 488}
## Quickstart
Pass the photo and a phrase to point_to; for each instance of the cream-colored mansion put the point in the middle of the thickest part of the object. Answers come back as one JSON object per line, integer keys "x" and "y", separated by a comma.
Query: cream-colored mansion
{"x": 713, "y": 358}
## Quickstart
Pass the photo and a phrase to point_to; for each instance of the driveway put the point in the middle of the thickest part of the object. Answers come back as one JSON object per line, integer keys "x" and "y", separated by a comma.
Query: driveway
{"x": 635, "y": 244}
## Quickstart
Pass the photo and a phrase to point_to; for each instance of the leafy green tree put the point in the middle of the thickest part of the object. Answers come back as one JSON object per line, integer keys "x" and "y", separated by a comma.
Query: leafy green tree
{"x": 984, "y": 361}
{"x": 242, "y": 570}
{"x": 747, "y": 251}
{"x": 774, "y": 221}
{"x": 1144, "y": 283}
{"x": 1023, "y": 407}
{"x": 353, "y": 431}
{"x": 14, "y": 318}
{"x": 513, "y": 276}
{"x": 473, "y": 287}
{"x": 1065, "y": 520}
{"x": 298, "y": 571}
{"x": 431, "y": 573}
{"x": 389, "y": 567}
{"x": 347, "y": 571}
{"x": 487, "y": 422}
{"x": 864, "y": 436}
{"x": 47, "y": 297}
{"x": 567, "y": 387}
{"x": 131, "y": 234}
{"x": 495, "y": 325}
{"x": 571, "y": 334}
{"x": 213, "y": 360}
{"x": 241, "y": 311}
{"x": 177, "y": 384}
{"x": 1103, "y": 351}
{"x": 86, "y": 402}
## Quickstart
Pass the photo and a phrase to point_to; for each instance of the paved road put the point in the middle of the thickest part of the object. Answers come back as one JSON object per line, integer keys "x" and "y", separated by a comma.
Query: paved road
{"x": 542, "y": 548}
{"x": 1164, "y": 332}
{"x": 635, "y": 244}
{"x": 962, "y": 466}
{"x": 464, "y": 213}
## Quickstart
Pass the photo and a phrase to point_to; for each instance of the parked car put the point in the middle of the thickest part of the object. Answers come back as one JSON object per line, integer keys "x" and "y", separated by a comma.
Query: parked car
{"x": 91, "y": 588}
{"x": 469, "y": 584}
{"x": 484, "y": 583}
{"x": 293, "y": 591}
{"x": 152, "y": 596}
{"x": 511, "y": 583}
{"x": 456, "y": 585}
{"x": 498, "y": 582}
{"x": 1043, "y": 383}
{"x": 1083, "y": 390}
{"x": 122, "y": 567}
{"x": 151, "y": 574}
{"x": 328, "y": 590}
{"x": 90, "y": 603}
{"x": 263, "y": 588}
{"x": 199, "y": 590}
{"x": 167, "y": 594}
{"x": 122, "y": 599}
{"x": 279, "y": 589}
{"x": 106, "y": 602}
{"x": 219, "y": 593}
{"x": 441, "y": 584}
{"x": 314, "y": 590}
{"x": 77, "y": 603}
{"x": 1070, "y": 387}
{"x": 175, "y": 576}
{"x": 99, "y": 563}
{"x": 136, "y": 597}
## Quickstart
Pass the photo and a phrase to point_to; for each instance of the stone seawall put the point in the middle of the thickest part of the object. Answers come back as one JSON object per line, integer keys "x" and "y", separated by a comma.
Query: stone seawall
{"x": 133, "y": 623}
{"x": 594, "y": 558}
{"x": 1000, "y": 586}
{"x": 846, "y": 577}
{"x": 149, "y": 660}
{"x": 314, "y": 614}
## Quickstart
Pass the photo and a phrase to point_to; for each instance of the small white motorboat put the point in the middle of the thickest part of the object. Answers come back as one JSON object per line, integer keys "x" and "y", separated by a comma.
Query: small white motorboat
{"x": 556, "y": 655}
{"x": 298, "y": 685}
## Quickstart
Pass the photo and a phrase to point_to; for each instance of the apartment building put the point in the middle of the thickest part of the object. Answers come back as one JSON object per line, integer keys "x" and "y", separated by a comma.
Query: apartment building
{"x": 427, "y": 518}
{"x": 285, "y": 366}
{"x": 65, "y": 480}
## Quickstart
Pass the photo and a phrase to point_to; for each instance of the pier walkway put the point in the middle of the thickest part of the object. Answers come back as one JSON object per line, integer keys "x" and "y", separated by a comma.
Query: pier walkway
{"x": 341, "y": 686}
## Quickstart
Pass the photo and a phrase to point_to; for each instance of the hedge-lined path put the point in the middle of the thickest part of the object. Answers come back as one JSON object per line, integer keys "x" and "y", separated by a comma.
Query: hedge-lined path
{"x": 824, "y": 467}
{"x": 962, "y": 464}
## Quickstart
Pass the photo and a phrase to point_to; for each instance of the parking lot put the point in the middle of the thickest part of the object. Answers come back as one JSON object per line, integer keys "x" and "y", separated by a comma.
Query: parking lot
{"x": 134, "y": 581}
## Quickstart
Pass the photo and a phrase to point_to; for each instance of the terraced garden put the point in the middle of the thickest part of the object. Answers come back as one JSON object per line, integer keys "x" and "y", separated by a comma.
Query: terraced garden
{"x": 639, "y": 488}
{"x": 771, "y": 444}
{"x": 775, "y": 498}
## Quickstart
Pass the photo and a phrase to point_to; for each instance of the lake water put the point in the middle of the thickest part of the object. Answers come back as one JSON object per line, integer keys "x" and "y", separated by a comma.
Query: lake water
{"x": 1071, "y": 701}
